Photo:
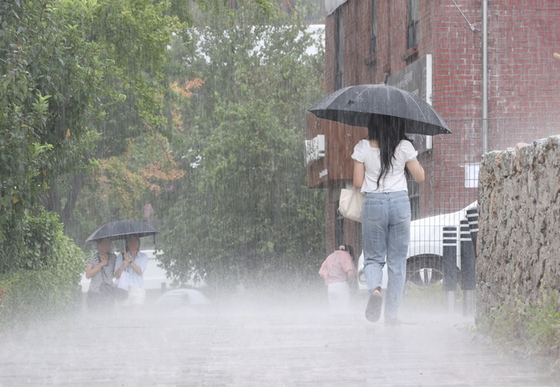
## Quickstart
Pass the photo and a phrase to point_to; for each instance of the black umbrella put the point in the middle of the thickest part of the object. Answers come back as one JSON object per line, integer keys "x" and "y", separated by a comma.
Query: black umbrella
{"x": 355, "y": 105}
{"x": 121, "y": 229}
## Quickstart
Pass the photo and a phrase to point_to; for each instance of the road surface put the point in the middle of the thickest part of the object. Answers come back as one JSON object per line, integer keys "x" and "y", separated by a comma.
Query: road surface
{"x": 242, "y": 343}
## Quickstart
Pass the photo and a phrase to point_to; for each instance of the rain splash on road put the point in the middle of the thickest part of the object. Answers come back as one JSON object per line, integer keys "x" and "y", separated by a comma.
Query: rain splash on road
{"x": 259, "y": 341}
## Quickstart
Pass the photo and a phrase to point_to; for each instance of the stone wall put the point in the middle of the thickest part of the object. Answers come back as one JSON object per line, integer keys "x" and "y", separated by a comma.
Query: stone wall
{"x": 519, "y": 220}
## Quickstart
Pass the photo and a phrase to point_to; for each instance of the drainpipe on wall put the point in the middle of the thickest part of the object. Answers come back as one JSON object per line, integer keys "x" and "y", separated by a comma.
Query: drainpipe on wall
{"x": 429, "y": 94}
{"x": 484, "y": 76}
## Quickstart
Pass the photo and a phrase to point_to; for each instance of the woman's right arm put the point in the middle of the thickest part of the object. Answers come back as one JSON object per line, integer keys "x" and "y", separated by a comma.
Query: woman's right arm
{"x": 359, "y": 174}
{"x": 123, "y": 264}
{"x": 416, "y": 170}
{"x": 91, "y": 271}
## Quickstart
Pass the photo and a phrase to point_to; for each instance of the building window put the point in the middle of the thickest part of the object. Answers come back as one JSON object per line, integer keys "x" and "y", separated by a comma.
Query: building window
{"x": 339, "y": 48}
{"x": 412, "y": 24}
{"x": 339, "y": 227}
{"x": 373, "y": 27}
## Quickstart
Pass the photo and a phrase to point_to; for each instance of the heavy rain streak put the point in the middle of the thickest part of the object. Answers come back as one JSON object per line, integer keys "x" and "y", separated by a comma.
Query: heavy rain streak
{"x": 279, "y": 193}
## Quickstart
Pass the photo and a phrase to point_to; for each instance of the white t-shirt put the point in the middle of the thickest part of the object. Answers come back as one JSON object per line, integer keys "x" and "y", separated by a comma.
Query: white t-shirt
{"x": 134, "y": 279}
{"x": 395, "y": 179}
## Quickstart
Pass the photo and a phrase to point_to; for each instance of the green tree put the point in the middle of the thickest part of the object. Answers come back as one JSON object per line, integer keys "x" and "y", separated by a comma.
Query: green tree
{"x": 133, "y": 38}
{"x": 120, "y": 186}
{"x": 243, "y": 211}
{"x": 50, "y": 74}
{"x": 79, "y": 80}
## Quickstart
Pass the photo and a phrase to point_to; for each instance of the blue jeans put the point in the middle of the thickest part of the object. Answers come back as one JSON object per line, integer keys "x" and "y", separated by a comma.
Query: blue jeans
{"x": 386, "y": 234}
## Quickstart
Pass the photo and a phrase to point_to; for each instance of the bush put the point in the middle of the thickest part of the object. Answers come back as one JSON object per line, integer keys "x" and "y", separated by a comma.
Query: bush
{"x": 31, "y": 241}
{"x": 45, "y": 271}
{"x": 530, "y": 327}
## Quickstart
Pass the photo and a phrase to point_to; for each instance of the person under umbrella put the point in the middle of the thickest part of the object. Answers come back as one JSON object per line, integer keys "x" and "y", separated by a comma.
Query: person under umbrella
{"x": 133, "y": 262}
{"x": 99, "y": 268}
{"x": 380, "y": 162}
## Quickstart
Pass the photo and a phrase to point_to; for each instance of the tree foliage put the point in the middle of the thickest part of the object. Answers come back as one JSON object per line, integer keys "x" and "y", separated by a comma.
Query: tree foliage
{"x": 134, "y": 36}
{"x": 123, "y": 186}
{"x": 243, "y": 211}
{"x": 101, "y": 112}
{"x": 50, "y": 74}
{"x": 45, "y": 268}
{"x": 79, "y": 81}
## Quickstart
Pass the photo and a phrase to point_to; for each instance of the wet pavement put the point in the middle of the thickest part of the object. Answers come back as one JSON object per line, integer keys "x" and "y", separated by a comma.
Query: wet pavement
{"x": 252, "y": 344}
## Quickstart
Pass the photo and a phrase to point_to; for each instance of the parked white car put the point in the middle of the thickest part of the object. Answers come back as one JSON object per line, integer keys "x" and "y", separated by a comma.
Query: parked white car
{"x": 425, "y": 251}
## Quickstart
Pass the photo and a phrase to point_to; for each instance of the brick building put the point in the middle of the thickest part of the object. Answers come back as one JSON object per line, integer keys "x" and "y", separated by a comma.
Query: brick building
{"x": 445, "y": 52}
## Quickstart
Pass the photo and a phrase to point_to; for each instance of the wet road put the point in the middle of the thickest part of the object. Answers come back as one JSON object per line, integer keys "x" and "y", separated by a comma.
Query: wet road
{"x": 252, "y": 344}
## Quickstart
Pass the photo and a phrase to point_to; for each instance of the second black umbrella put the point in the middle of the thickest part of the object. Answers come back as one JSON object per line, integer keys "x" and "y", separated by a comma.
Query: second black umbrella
{"x": 121, "y": 229}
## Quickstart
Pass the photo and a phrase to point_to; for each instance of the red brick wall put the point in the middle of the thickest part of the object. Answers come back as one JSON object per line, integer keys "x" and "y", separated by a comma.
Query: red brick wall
{"x": 391, "y": 40}
{"x": 457, "y": 97}
{"x": 339, "y": 146}
{"x": 524, "y": 79}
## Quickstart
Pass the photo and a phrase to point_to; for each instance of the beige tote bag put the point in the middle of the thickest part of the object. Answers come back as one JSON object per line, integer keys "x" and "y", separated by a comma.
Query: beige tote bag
{"x": 350, "y": 204}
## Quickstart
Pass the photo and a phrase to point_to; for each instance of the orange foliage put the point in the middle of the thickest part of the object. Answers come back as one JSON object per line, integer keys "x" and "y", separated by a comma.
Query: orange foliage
{"x": 167, "y": 170}
{"x": 177, "y": 120}
{"x": 185, "y": 90}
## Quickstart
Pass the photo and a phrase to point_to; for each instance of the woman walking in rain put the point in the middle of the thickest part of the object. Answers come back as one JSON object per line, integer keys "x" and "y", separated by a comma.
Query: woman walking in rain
{"x": 100, "y": 267}
{"x": 337, "y": 270}
{"x": 379, "y": 171}
{"x": 134, "y": 263}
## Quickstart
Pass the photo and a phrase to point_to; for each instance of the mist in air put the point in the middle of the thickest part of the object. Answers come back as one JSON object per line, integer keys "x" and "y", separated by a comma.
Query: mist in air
{"x": 173, "y": 211}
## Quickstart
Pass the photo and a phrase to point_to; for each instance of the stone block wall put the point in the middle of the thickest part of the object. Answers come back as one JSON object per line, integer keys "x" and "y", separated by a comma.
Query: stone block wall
{"x": 519, "y": 221}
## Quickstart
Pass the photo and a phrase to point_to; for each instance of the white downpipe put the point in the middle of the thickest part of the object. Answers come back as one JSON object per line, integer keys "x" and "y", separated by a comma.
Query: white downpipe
{"x": 429, "y": 93}
{"x": 484, "y": 76}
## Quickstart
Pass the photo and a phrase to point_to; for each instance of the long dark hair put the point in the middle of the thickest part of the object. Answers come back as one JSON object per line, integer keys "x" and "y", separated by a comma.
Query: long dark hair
{"x": 388, "y": 132}
{"x": 128, "y": 239}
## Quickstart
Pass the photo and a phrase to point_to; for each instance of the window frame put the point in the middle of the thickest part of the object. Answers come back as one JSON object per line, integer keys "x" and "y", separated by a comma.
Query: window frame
{"x": 412, "y": 24}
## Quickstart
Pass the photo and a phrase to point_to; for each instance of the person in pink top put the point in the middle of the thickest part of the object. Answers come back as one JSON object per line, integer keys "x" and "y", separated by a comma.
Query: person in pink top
{"x": 337, "y": 271}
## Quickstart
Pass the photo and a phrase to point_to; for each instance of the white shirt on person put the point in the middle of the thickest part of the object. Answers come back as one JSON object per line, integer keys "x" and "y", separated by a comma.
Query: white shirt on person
{"x": 395, "y": 179}
{"x": 134, "y": 279}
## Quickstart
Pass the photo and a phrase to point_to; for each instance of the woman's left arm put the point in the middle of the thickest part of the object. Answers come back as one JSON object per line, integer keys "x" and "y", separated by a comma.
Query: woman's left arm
{"x": 140, "y": 263}
{"x": 136, "y": 268}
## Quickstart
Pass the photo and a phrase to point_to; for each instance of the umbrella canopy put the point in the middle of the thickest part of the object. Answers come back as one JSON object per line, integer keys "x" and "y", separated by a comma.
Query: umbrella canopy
{"x": 355, "y": 105}
{"x": 121, "y": 229}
